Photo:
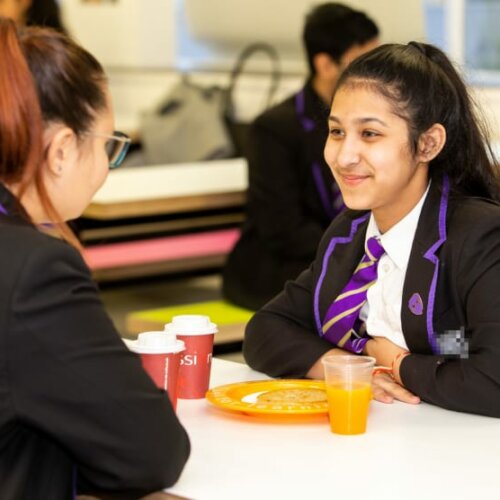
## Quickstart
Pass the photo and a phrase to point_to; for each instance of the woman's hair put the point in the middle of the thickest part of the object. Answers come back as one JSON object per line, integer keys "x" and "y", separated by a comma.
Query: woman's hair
{"x": 46, "y": 78}
{"x": 21, "y": 126}
{"x": 333, "y": 28}
{"x": 46, "y": 13}
{"x": 424, "y": 88}
{"x": 69, "y": 80}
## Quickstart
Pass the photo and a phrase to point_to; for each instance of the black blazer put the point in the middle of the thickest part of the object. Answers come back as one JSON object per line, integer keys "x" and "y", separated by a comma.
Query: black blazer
{"x": 289, "y": 200}
{"x": 76, "y": 408}
{"x": 453, "y": 334}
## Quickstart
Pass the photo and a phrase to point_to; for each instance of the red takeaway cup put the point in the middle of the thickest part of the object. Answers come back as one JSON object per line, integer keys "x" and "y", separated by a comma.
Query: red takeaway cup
{"x": 160, "y": 354}
{"x": 197, "y": 332}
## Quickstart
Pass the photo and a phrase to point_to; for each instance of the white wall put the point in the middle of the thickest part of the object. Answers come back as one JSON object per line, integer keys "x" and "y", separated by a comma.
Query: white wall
{"x": 136, "y": 91}
{"x": 136, "y": 41}
{"x": 126, "y": 33}
{"x": 489, "y": 101}
{"x": 157, "y": 33}
{"x": 225, "y": 26}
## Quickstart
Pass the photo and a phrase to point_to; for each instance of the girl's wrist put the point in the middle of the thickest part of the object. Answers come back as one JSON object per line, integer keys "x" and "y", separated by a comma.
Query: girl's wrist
{"x": 396, "y": 364}
{"x": 382, "y": 369}
{"x": 367, "y": 348}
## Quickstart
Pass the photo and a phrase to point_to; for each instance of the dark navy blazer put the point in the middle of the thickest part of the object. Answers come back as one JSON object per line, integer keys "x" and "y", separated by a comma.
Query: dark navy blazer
{"x": 450, "y": 309}
{"x": 77, "y": 411}
{"x": 290, "y": 200}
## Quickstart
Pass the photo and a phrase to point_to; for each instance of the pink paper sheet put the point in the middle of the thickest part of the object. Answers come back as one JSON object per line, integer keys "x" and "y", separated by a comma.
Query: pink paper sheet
{"x": 161, "y": 249}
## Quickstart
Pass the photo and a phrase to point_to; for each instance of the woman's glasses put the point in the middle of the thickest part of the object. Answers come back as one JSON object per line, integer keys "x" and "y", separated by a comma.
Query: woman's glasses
{"x": 116, "y": 147}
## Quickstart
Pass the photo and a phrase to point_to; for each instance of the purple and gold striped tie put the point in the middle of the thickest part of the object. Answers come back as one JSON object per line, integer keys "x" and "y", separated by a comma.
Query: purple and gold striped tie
{"x": 341, "y": 325}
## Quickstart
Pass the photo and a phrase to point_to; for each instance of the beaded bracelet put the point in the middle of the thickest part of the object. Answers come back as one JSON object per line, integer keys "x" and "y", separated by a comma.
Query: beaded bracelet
{"x": 395, "y": 360}
{"x": 382, "y": 369}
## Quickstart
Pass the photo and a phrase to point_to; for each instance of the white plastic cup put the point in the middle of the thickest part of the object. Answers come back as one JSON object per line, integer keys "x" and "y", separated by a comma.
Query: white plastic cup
{"x": 348, "y": 388}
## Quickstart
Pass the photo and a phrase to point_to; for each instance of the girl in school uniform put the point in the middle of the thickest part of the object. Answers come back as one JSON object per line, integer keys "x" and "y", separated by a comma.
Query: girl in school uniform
{"x": 410, "y": 274}
{"x": 78, "y": 414}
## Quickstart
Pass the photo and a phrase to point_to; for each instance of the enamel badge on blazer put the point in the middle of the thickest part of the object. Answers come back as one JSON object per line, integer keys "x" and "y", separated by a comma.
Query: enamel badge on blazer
{"x": 416, "y": 305}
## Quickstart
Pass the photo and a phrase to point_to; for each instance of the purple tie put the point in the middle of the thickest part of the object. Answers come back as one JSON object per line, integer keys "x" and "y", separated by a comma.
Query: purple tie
{"x": 341, "y": 325}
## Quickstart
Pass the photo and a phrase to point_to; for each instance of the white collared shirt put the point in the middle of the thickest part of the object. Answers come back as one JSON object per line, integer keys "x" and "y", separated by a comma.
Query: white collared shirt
{"x": 382, "y": 311}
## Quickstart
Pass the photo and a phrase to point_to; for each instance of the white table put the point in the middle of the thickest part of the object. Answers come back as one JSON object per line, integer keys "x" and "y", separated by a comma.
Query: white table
{"x": 409, "y": 453}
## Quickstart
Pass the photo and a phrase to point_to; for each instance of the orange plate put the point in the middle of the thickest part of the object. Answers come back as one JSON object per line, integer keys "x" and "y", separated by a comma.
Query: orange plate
{"x": 242, "y": 397}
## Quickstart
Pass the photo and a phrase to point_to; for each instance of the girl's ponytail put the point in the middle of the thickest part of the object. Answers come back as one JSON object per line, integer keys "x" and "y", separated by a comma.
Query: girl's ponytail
{"x": 424, "y": 88}
{"x": 21, "y": 125}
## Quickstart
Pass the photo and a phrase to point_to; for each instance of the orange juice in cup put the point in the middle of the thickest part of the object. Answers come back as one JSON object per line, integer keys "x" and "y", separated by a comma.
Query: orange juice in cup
{"x": 349, "y": 408}
{"x": 348, "y": 387}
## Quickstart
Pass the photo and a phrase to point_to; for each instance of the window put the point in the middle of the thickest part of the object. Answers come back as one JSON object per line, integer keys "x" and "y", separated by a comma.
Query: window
{"x": 468, "y": 31}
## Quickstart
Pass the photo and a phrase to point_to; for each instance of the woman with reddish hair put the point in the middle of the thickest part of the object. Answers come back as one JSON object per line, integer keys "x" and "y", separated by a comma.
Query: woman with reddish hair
{"x": 77, "y": 412}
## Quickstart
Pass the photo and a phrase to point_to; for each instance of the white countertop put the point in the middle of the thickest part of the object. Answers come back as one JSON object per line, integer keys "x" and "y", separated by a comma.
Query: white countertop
{"x": 409, "y": 452}
{"x": 176, "y": 180}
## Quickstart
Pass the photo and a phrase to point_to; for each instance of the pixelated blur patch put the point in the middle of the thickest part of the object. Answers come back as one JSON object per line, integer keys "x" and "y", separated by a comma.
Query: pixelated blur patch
{"x": 453, "y": 343}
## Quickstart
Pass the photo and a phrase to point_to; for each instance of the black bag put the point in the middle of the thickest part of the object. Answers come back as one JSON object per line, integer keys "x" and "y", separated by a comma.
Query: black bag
{"x": 238, "y": 130}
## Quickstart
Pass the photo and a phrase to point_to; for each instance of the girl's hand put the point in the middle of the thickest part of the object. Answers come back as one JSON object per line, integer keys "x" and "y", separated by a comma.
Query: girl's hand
{"x": 387, "y": 354}
{"x": 385, "y": 389}
{"x": 383, "y": 350}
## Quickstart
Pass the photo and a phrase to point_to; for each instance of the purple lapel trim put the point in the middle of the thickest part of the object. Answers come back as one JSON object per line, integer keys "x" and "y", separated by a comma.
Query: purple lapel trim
{"x": 322, "y": 190}
{"x": 430, "y": 255}
{"x": 300, "y": 107}
{"x": 331, "y": 247}
{"x": 308, "y": 125}
{"x": 74, "y": 487}
{"x": 2, "y": 210}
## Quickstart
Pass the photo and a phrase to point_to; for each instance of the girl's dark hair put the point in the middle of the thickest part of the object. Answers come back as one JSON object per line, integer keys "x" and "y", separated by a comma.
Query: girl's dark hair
{"x": 424, "y": 88}
{"x": 69, "y": 80}
{"x": 46, "y": 13}
{"x": 333, "y": 28}
{"x": 45, "y": 78}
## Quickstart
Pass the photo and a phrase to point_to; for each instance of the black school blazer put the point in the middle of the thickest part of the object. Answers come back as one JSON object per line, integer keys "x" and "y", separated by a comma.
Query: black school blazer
{"x": 289, "y": 191}
{"x": 77, "y": 411}
{"x": 450, "y": 310}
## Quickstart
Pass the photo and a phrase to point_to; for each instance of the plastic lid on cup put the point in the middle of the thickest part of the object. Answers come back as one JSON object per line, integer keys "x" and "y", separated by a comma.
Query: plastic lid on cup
{"x": 156, "y": 343}
{"x": 191, "y": 324}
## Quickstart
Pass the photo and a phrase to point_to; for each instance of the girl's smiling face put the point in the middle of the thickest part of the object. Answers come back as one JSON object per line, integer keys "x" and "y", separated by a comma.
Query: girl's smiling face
{"x": 369, "y": 154}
